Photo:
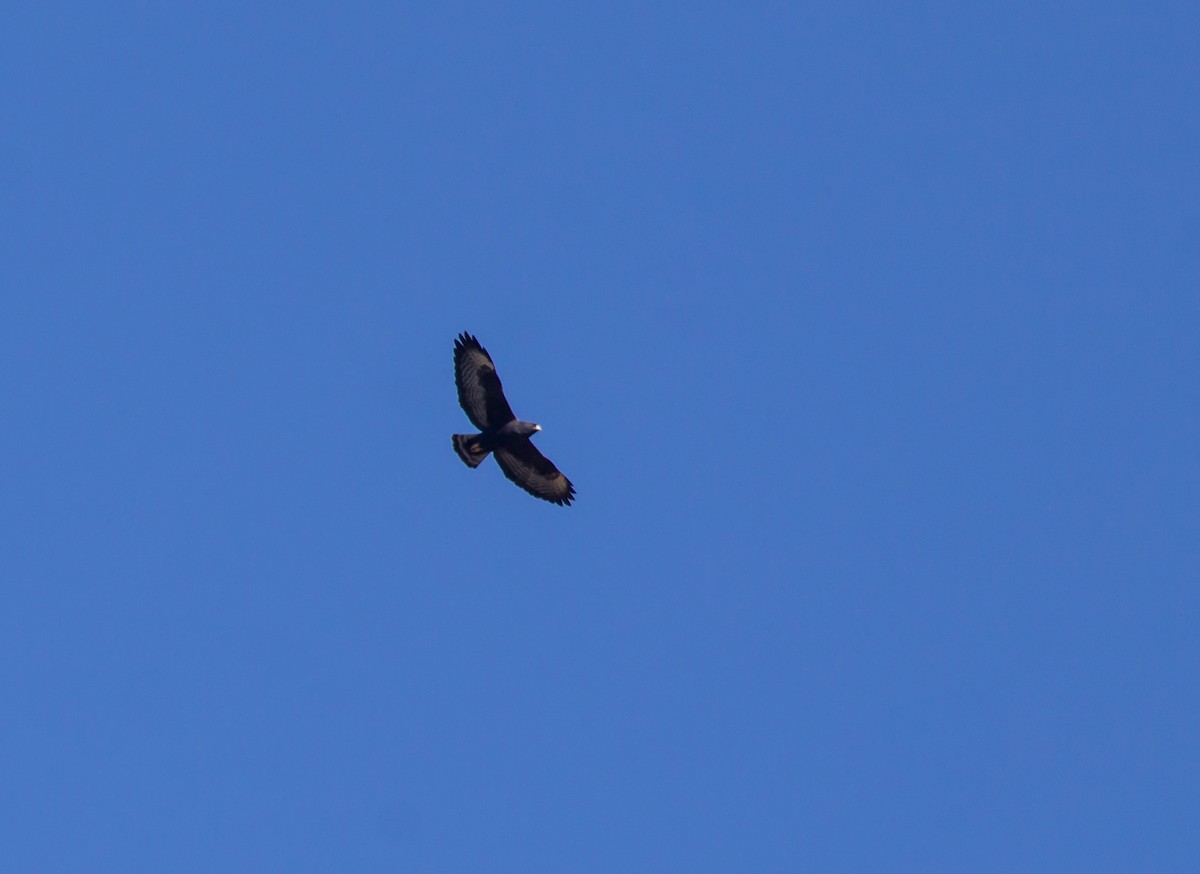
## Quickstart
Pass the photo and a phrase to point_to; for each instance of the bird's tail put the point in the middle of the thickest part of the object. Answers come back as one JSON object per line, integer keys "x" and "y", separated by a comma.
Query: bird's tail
{"x": 470, "y": 448}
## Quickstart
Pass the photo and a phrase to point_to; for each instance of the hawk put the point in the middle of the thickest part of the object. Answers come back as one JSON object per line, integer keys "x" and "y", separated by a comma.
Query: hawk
{"x": 501, "y": 433}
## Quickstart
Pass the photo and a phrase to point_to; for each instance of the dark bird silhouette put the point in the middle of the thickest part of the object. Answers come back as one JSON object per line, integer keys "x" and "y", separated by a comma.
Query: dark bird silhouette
{"x": 501, "y": 433}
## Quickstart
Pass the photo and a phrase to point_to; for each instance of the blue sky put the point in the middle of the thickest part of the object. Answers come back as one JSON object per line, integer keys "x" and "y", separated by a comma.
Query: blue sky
{"x": 867, "y": 333}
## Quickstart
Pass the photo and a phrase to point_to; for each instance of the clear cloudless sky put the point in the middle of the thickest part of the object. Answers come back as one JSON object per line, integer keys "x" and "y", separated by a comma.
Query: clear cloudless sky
{"x": 868, "y": 333}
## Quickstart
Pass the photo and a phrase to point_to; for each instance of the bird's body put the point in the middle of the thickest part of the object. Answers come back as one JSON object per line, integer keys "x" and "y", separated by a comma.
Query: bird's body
{"x": 474, "y": 449}
{"x": 500, "y": 432}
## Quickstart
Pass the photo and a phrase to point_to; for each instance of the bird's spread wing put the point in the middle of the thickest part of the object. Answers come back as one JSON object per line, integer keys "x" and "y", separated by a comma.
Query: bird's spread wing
{"x": 534, "y": 472}
{"x": 479, "y": 389}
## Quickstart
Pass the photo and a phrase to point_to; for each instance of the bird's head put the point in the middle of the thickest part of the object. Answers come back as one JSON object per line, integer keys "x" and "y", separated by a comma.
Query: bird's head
{"x": 523, "y": 429}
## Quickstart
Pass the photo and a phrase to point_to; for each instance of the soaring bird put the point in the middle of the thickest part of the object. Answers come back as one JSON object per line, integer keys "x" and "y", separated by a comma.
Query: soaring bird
{"x": 501, "y": 433}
